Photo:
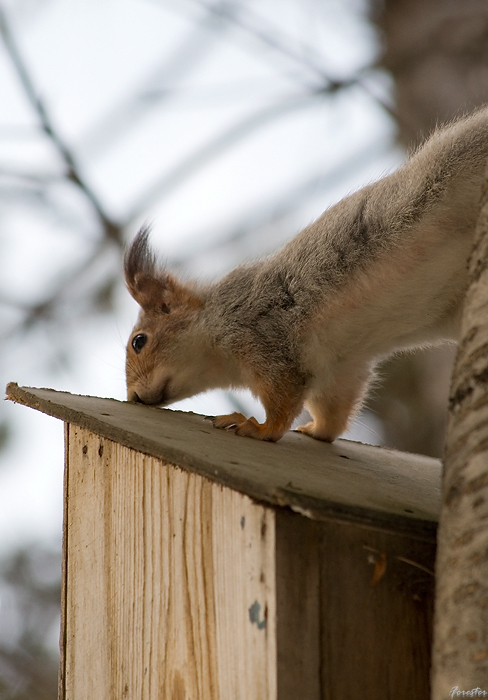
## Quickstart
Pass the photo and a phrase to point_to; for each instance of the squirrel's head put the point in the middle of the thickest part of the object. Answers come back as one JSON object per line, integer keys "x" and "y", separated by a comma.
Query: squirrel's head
{"x": 167, "y": 355}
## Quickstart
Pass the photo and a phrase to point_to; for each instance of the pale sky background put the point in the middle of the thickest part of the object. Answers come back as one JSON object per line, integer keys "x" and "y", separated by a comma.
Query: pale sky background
{"x": 86, "y": 58}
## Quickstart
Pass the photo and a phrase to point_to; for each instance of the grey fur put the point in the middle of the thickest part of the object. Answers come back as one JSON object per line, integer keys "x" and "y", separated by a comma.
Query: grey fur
{"x": 383, "y": 269}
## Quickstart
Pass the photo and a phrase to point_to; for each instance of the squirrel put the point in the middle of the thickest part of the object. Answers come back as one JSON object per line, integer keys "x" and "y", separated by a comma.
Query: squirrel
{"x": 383, "y": 270}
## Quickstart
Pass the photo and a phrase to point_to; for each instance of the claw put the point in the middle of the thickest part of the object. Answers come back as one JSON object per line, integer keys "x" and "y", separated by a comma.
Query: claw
{"x": 246, "y": 427}
{"x": 312, "y": 430}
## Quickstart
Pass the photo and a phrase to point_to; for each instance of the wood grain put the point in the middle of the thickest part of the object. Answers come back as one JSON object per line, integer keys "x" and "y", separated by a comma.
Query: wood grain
{"x": 299, "y": 621}
{"x": 355, "y": 608}
{"x": 177, "y": 588}
{"x": 170, "y": 589}
{"x": 177, "y": 585}
{"x": 376, "y": 602}
{"x": 345, "y": 480}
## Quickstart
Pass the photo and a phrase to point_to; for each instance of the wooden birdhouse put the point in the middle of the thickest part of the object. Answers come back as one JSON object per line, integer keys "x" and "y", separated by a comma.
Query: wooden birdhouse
{"x": 199, "y": 565}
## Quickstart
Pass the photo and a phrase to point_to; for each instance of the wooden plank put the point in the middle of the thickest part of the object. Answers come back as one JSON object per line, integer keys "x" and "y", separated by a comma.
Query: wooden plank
{"x": 64, "y": 561}
{"x": 87, "y": 630}
{"x": 355, "y": 608}
{"x": 348, "y": 480}
{"x": 170, "y": 585}
{"x": 376, "y": 608}
{"x": 298, "y": 604}
{"x": 177, "y": 587}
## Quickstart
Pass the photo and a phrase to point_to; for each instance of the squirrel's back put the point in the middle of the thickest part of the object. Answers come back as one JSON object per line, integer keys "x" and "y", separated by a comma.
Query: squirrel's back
{"x": 380, "y": 252}
{"x": 382, "y": 270}
{"x": 442, "y": 178}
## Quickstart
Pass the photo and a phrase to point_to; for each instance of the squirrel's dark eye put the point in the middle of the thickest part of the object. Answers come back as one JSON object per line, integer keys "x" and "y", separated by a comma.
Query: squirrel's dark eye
{"x": 138, "y": 342}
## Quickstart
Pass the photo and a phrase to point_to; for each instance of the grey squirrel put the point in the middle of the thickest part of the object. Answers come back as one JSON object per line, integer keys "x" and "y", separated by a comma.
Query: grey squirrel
{"x": 383, "y": 270}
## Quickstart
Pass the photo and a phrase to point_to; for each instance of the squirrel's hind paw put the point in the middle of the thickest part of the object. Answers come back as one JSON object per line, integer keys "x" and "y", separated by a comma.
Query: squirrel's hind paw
{"x": 312, "y": 430}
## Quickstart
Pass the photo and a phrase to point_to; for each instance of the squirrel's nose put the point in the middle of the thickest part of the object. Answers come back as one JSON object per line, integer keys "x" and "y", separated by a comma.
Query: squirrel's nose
{"x": 132, "y": 396}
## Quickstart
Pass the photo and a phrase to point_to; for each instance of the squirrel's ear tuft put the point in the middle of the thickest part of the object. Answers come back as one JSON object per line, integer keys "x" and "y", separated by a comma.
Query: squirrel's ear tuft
{"x": 139, "y": 258}
{"x": 154, "y": 289}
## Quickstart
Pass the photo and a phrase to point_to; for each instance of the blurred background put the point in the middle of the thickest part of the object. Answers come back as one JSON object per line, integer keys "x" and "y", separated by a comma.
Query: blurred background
{"x": 228, "y": 124}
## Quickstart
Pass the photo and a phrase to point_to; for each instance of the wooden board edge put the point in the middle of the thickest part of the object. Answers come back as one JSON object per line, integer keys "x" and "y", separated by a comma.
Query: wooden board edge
{"x": 320, "y": 509}
{"x": 297, "y": 502}
{"x": 64, "y": 571}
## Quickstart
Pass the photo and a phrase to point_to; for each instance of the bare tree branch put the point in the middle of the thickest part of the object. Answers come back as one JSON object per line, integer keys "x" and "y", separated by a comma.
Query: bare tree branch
{"x": 31, "y": 178}
{"x": 274, "y": 212}
{"x": 282, "y": 44}
{"x": 270, "y": 38}
{"x": 47, "y": 309}
{"x": 111, "y": 229}
{"x": 220, "y": 143}
{"x": 187, "y": 54}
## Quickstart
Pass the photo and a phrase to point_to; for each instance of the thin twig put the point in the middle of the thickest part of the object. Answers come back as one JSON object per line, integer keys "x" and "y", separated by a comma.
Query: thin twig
{"x": 284, "y": 46}
{"x": 220, "y": 143}
{"x": 270, "y": 213}
{"x": 111, "y": 229}
{"x": 46, "y": 309}
{"x": 416, "y": 564}
{"x": 272, "y": 40}
{"x": 185, "y": 56}
{"x": 31, "y": 178}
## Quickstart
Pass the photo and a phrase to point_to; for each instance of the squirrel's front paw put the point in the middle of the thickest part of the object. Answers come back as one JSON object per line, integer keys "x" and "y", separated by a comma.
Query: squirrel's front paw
{"x": 228, "y": 422}
{"x": 240, "y": 425}
{"x": 314, "y": 431}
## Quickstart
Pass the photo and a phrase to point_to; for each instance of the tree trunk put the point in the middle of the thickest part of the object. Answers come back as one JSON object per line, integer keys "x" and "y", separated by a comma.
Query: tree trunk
{"x": 437, "y": 54}
{"x": 460, "y": 657}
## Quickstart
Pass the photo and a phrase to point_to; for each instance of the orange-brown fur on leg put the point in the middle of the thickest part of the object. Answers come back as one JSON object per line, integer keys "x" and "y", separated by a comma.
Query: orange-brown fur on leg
{"x": 384, "y": 269}
{"x": 332, "y": 412}
{"x": 280, "y": 413}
